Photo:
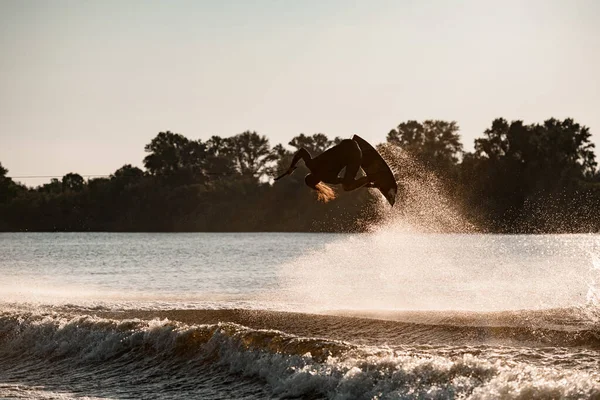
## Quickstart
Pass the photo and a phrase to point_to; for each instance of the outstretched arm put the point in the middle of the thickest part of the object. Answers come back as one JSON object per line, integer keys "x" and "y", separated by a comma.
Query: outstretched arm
{"x": 300, "y": 154}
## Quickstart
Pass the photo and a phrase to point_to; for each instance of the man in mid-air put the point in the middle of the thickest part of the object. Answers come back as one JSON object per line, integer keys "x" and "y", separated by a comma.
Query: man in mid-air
{"x": 325, "y": 169}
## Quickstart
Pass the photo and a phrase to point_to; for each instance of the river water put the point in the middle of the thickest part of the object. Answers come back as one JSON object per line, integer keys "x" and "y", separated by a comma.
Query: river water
{"x": 387, "y": 315}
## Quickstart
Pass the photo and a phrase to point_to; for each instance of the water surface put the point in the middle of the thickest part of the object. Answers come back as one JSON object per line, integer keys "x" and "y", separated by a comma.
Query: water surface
{"x": 380, "y": 315}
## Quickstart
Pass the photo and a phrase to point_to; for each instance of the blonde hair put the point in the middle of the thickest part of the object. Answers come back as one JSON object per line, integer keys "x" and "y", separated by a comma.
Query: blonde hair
{"x": 324, "y": 192}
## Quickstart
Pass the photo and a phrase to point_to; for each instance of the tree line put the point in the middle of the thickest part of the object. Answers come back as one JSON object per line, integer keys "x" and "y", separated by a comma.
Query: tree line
{"x": 520, "y": 178}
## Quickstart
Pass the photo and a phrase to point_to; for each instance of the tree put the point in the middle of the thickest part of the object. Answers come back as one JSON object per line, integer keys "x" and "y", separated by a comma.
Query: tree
{"x": 127, "y": 172}
{"x": 175, "y": 157}
{"x": 8, "y": 189}
{"x": 515, "y": 165}
{"x": 55, "y": 186}
{"x": 251, "y": 154}
{"x": 220, "y": 162}
{"x": 434, "y": 143}
{"x": 315, "y": 144}
{"x": 283, "y": 157}
{"x": 126, "y": 175}
{"x": 547, "y": 155}
{"x": 73, "y": 182}
{"x": 495, "y": 142}
{"x": 567, "y": 146}
{"x": 281, "y": 152}
{"x": 165, "y": 156}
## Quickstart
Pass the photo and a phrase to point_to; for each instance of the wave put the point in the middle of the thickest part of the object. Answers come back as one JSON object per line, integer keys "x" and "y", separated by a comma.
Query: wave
{"x": 569, "y": 327}
{"x": 314, "y": 356}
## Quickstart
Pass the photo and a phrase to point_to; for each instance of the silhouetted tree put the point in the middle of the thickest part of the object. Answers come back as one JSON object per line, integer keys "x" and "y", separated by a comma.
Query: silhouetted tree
{"x": 128, "y": 173}
{"x": 8, "y": 188}
{"x": 176, "y": 158}
{"x": 251, "y": 154}
{"x": 279, "y": 151}
{"x": 434, "y": 143}
{"x": 122, "y": 177}
{"x": 220, "y": 161}
{"x": 165, "y": 156}
{"x": 55, "y": 186}
{"x": 519, "y": 178}
{"x": 515, "y": 164}
{"x": 283, "y": 157}
{"x": 546, "y": 155}
{"x": 73, "y": 182}
{"x": 315, "y": 144}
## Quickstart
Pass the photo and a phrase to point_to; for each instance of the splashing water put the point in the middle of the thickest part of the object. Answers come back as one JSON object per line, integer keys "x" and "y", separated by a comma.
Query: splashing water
{"x": 409, "y": 262}
{"x": 408, "y": 271}
{"x": 591, "y": 309}
{"x": 423, "y": 205}
{"x": 593, "y": 295}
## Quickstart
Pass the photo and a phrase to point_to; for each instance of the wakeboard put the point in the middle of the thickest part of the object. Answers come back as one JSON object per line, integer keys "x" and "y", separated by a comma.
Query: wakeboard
{"x": 375, "y": 167}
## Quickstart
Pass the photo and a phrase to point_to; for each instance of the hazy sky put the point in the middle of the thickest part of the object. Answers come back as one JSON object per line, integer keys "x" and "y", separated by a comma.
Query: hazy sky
{"x": 84, "y": 85}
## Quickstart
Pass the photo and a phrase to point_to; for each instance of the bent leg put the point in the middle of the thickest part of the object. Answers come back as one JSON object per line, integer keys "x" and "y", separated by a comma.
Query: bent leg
{"x": 348, "y": 182}
{"x": 355, "y": 184}
{"x": 300, "y": 154}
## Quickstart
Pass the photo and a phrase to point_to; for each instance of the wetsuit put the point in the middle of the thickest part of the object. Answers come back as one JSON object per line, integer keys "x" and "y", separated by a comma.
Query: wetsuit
{"x": 326, "y": 166}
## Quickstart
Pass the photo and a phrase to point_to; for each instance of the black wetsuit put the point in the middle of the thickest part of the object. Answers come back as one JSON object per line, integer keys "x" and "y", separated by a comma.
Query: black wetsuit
{"x": 327, "y": 166}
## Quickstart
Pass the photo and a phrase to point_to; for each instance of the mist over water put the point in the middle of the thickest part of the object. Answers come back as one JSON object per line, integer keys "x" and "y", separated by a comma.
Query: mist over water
{"x": 422, "y": 204}
{"x": 409, "y": 262}
{"x": 394, "y": 269}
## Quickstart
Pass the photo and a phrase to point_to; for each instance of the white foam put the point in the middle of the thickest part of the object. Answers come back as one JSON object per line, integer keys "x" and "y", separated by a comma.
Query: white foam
{"x": 391, "y": 269}
{"x": 22, "y": 391}
{"x": 359, "y": 372}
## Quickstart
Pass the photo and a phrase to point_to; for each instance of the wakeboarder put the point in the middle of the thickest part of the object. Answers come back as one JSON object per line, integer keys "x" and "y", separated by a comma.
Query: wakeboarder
{"x": 351, "y": 155}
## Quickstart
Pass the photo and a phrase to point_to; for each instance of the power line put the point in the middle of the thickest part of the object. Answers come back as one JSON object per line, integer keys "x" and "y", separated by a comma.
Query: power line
{"x": 96, "y": 176}
{"x": 53, "y": 176}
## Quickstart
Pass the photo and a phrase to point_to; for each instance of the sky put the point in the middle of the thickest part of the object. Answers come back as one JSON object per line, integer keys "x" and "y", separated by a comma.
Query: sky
{"x": 84, "y": 85}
